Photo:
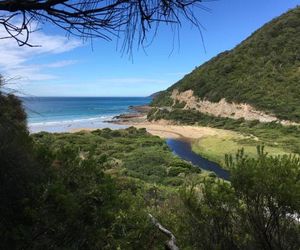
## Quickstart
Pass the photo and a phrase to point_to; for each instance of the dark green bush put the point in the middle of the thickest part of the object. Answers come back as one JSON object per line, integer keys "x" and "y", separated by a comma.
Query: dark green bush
{"x": 262, "y": 71}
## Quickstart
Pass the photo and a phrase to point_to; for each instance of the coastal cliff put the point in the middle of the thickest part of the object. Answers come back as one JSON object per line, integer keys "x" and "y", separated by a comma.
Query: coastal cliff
{"x": 257, "y": 80}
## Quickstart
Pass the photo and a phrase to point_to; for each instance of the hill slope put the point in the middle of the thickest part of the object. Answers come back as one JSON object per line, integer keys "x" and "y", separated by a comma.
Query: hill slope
{"x": 263, "y": 71}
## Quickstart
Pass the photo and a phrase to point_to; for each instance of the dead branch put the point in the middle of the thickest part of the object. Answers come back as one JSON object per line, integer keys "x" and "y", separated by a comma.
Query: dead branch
{"x": 171, "y": 243}
{"x": 95, "y": 18}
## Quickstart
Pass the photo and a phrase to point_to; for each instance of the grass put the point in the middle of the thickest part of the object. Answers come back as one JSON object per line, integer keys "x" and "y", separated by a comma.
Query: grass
{"x": 271, "y": 134}
{"x": 228, "y": 142}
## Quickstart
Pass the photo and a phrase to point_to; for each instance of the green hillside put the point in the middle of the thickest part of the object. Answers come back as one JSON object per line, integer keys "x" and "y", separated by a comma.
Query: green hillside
{"x": 264, "y": 71}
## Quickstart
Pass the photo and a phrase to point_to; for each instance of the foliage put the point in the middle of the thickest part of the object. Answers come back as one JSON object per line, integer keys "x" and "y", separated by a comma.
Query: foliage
{"x": 179, "y": 105}
{"x": 59, "y": 198}
{"x": 94, "y": 190}
{"x": 162, "y": 99}
{"x": 262, "y": 71}
{"x": 18, "y": 172}
{"x": 212, "y": 210}
{"x": 258, "y": 210}
{"x": 130, "y": 152}
{"x": 271, "y": 134}
{"x": 82, "y": 207}
{"x": 270, "y": 192}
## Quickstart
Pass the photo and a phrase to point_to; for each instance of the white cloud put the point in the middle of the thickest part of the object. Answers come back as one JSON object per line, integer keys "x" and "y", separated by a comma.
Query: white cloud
{"x": 26, "y": 74}
{"x": 60, "y": 64}
{"x": 15, "y": 60}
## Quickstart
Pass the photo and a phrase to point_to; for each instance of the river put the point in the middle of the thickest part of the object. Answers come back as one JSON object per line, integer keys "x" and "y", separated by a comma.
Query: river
{"x": 183, "y": 150}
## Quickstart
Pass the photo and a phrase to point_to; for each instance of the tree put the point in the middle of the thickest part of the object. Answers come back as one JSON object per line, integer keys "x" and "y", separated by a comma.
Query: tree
{"x": 54, "y": 199}
{"x": 269, "y": 190}
{"x": 258, "y": 209}
{"x": 18, "y": 173}
{"x": 95, "y": 18}
{"x": 212, "y": 212}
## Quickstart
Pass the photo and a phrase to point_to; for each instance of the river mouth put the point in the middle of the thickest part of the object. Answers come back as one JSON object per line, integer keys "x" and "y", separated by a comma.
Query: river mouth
{"x": 182, "y": 148}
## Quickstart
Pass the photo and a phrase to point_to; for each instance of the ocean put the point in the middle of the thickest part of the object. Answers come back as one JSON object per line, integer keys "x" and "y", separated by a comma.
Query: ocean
{"x": 63, "y": 114}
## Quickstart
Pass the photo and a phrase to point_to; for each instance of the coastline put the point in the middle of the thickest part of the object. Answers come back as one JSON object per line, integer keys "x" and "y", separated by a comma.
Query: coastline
{"x": 167, "y": 130}
{"x": 136, "y": 117}
{"x": 63, "y": 114}
{"x": 66, "y": 126}
{"x": 164, "y": 129}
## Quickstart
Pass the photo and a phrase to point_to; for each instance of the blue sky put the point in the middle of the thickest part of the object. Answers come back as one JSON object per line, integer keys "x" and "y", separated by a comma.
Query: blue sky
{"x": 69, "y": 67}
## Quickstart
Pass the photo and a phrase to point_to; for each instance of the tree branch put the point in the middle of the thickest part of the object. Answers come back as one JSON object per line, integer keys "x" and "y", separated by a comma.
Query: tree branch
{"x": 170, "y": 244}
{"x": 95, "y": 18}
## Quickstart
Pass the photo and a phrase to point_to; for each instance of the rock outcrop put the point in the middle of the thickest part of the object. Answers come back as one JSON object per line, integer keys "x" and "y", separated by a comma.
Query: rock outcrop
{"x": 224, "y": 108}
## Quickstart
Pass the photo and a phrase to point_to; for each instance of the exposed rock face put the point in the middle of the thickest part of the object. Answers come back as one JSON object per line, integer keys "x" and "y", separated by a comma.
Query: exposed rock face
{"x": 224, "y": 108}
{"x": 141, "y": 108}
{"x": 140, "y": 115}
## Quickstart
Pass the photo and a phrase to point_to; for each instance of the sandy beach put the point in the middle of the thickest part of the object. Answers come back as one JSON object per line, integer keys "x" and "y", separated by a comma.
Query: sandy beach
{"x": 164, "y": 129}
{"x": 177, "y": 131}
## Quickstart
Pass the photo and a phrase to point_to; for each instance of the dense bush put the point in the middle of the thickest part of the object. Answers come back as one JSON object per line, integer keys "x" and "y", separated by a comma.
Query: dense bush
{"x": 94, "y": 190}
{"x": 131, "y": 151}
{"x": 162, "y": 99}
{"x": 54, "y": 193}
{"x": 18, "y": 174}
{"x": 259, "y": 209}
{"x": 262, "y": 71}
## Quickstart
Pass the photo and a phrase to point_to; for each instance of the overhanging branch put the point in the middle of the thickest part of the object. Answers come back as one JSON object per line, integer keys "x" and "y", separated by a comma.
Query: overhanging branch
{"x": 95, "y": 18}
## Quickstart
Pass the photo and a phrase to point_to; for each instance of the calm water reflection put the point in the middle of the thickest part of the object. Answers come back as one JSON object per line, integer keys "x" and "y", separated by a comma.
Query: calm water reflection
{"x": 184, "y": 151}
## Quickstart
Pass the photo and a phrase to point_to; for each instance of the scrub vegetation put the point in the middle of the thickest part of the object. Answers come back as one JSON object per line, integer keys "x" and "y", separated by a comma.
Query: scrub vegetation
{"x": 131, "y": 152}
{"x": 95, "y": 190}
{"x": 262, "y": 71}
{"x": 100, "y": 189}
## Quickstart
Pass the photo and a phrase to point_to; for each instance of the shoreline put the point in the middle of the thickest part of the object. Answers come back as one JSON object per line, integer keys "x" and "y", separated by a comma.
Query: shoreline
{"x": 162, "y": 128}
{"x": 138, "y": 118}
{"x": 166, "y": 130}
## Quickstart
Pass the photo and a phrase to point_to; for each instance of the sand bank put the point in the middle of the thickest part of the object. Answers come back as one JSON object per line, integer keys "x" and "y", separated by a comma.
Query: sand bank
{"x": 162, "y": 128}
{"x": 177, "y": 131}
{"x": 165, "y": 130}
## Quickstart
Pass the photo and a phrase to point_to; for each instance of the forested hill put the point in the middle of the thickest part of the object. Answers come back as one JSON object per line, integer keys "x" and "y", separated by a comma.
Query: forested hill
{"x": 263, "y": 71}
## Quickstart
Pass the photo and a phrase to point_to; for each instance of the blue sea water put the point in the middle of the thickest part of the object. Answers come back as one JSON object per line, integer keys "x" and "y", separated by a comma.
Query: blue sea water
{"x": 60, "y": 114}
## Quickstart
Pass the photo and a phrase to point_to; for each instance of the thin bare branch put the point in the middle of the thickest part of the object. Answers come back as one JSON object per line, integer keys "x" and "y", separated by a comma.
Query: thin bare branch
{"x": 96, "y": 18}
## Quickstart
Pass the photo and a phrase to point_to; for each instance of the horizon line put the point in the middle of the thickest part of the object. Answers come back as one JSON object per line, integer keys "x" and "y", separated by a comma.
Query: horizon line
{"x": 84, "y": 96}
